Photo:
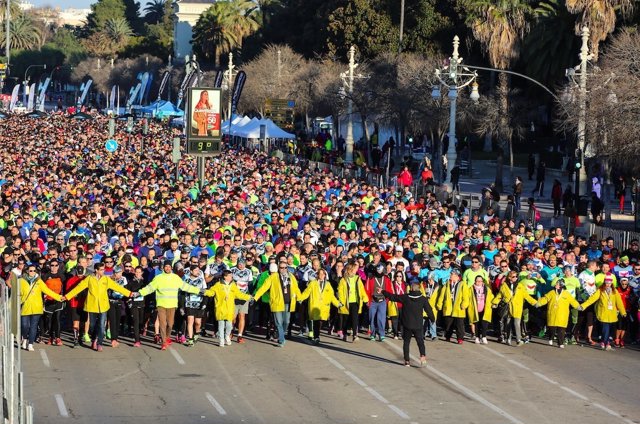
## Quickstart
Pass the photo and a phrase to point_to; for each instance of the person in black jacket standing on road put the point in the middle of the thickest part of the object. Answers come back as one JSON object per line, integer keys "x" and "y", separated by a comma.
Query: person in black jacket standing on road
{"x": 413, "y": 304}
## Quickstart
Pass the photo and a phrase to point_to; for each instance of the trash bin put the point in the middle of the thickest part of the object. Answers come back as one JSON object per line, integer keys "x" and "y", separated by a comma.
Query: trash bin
{"x": 583, "y": 206}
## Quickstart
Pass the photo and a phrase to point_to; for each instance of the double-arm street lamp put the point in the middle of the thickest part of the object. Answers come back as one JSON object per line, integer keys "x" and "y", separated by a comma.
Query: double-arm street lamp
{"x": 454, "y": 76}
{"x": 26, "y": 82}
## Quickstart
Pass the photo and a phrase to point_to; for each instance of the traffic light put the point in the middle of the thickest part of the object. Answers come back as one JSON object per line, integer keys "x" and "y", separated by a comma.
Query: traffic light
{"x": 578, "y": 164}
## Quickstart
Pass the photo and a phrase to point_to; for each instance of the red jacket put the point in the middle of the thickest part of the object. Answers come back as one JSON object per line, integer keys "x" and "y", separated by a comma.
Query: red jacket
{"x": 78, "y": 301}
{"x": 371, "y": 284}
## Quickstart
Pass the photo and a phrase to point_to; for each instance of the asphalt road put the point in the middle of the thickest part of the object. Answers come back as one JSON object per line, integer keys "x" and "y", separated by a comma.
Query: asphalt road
{"x": 338, "y": 382}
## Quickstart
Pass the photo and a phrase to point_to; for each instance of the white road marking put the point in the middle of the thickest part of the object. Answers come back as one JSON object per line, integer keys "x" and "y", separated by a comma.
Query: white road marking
{"x": 373, "y": 392}
{"x": 573, "y": 392}
{"x": 376, "y": 395}
{"x": 356, "y": 379}
{"x": 45, "y": 358}
{"x": 177, "y": 356}
{"x": 215, "y": 404}
{"x": 518, "y": 364}
{"x": 495, "y": 352}
{"x": 544, "y": 377}
{"x": 398, "y": 411}
{"x": 614, "y": 413}
{"x": 470, "y": 393}
{"x": 565, "y": 388}
{"x": 61, "y": 406}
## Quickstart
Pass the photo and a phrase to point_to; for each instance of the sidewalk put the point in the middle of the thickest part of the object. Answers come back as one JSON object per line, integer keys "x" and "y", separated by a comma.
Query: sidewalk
{"x": 484, "y": 174}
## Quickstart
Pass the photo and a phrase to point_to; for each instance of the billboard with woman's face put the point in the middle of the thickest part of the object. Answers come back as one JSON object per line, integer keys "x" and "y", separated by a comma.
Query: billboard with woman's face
{"x": 203, "y": 120}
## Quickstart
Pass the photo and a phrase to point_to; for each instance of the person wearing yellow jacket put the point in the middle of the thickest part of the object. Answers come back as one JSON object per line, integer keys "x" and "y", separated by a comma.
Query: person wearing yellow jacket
{"x": 453, "y": 301}
{"x": 352, "y": 295}
{"x": 225, "y": 293}
{"x": 513, "y": 294}
{"x": 97, "y": 301}
{"x": 609, "y": 305}
{"x": 480, "y": 311}
{"x": 321, "y": 297}
{"x": 283, "y": 293}
{"x": 31, "y": 306}
{"x": 432, "y": 290}
{"x": 167, "y": 286}
{"x": 559, "y": 301}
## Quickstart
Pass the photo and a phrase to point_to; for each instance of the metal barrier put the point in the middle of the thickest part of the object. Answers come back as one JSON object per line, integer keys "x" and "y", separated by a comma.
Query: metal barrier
{"x": 621, "y": 239}
{"x": 14, "y": 408}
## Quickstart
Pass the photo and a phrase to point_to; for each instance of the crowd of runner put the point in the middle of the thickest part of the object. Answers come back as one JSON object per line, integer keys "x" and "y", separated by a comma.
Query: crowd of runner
{"x": 111, "y": 246}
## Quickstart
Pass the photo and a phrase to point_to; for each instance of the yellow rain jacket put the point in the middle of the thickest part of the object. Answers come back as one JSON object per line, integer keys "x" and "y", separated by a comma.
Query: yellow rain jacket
{"x": 276, "y": 297}
{"x": 167, "y": 287}
{"x": 320, "y": 300}
{"x": 97, "y": 296}
{"x": 393, "y": 308}
{"x": 515, "y": 300}
{"x": 608, "y": 306}
{"x": 558, "y": 309}
{"x": 225, "y": 296}
{"x": 31, "y": 296}
{"x": 433, "y": 299}
{"x": 343, "y": 294}
{"x": 453, "y": 307}
{"x": 472, "y": 310}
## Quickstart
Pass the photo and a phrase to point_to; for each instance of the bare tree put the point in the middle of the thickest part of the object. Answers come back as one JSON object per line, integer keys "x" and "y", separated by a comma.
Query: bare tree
{"x": 612, "y": 109}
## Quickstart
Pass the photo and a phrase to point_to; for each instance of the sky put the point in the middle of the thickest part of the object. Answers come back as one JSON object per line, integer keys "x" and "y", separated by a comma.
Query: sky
{"x": 71, "y": 4}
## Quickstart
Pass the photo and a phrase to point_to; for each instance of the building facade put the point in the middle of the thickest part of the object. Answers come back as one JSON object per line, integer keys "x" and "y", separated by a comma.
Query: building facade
{"x": 185, "y": 16}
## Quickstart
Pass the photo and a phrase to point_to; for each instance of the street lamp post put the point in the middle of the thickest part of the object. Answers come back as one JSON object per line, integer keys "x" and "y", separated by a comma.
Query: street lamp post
{"x": 585, "y": 56}
{"x": 347, "y": 77}
{"x": 26, "y": 82}
{"x": 454, "y": 76}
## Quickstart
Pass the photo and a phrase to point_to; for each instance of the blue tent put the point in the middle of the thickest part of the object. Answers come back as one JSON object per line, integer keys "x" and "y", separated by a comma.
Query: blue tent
{"x": 161, "y": 109}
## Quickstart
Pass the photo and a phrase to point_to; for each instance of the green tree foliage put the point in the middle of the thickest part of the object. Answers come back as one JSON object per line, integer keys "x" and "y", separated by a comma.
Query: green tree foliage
{"x": 66, "y": 42}
{"x": 104, "y": 10}
{"x": 25, "y": 34}
{"x": 223, "y": 27}
{"x": 360, "y": 23}
{"x": 154, "y": 11}
{"x": 551, "y": 33}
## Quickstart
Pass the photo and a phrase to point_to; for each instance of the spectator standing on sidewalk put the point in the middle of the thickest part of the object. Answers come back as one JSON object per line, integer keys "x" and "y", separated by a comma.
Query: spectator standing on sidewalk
{"x": 540, "y": 177}
{"x": 556, "y": 196}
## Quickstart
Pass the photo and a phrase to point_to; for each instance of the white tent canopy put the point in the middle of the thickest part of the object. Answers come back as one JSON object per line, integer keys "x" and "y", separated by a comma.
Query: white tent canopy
{"x": 250, "y": 128}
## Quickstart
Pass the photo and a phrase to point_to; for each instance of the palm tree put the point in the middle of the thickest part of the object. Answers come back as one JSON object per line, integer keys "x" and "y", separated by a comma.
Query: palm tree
{"x": 599, "y": 16}
{"x": 244, "y": 18}
{"x": 154, "y": 11}
{"x": 24, "y": 33}
{"x": 223, "y": 26}
{"x": 551, "y": 33}
{"x": 500, "y": 25}
{"x": 118, "y": 31}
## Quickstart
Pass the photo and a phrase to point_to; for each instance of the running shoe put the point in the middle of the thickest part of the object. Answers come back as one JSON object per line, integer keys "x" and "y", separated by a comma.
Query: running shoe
{"x": 164, "y": 346}
{"x": 195, "y": 338}
{"x": 99, "y": 348}
{"x": 24, "y": 344}
{"x": 602, "y": 346}
{"x": 423, "y": 361}
{"x": 240, "y": 339}
{"x": 48, "y": 342}
{"x": 221, "y": 342}
{"x": 561, "y": 346}
{"x": 407, "y": 363}
{"x": 86, "y": 338}
{"x": 30, "y": 347}
{"x": 188, "y": 343}
{"x": 608, "y": 347}
{"x": 94, "y": 345}
{"x": 58, "y": 342}
{"x": 228, "y": 340}
{"x": 137, "y": 344}
{"x": 484, "y": 340}
{"x": 550, "y": 342}
{"x": 616, "y": 342}
{"x": 460, "y": 341}
{"x": 373, "y": 337}
{"x": 108, "y": 334}
{"x": 477, "y": 340}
